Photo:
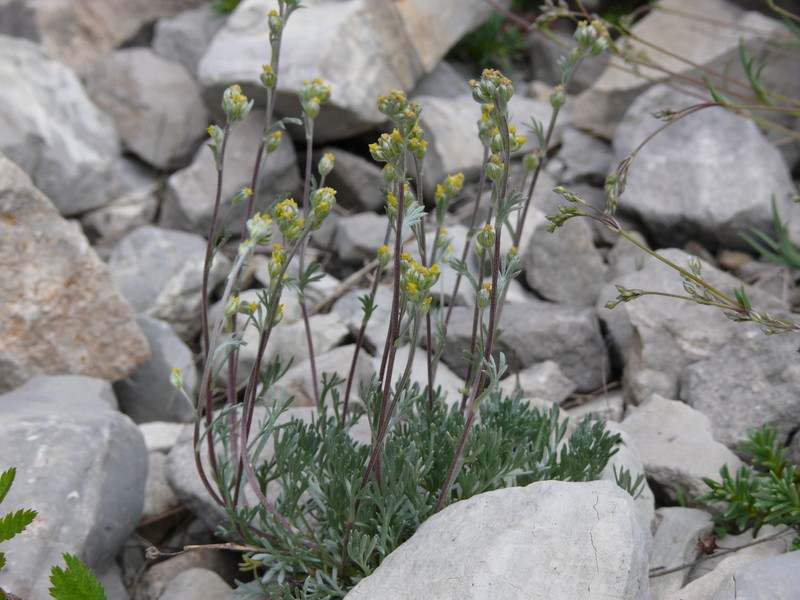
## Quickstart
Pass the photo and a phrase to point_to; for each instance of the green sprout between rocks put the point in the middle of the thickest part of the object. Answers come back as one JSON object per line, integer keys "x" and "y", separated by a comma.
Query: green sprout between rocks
{"x": 76, "y": 582}
{"x": 316, "y": 504}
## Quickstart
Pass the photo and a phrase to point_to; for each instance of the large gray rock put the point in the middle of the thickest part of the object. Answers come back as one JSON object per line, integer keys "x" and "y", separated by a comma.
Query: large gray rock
{"x": 510, "y": 544}
{"x": 674, "y": 544}
{"x": 564, "y": 266}
{"x": 362, "y": 48}
{"x": 154, "y": 102}
{"x": 711, "y": 41}
{"x": 160, "y": 272}
{"x": 81, "y": 464}
{"x": 677, "y": 448}
{"x": 543, "y": 380}
{"x": 75, "y": 32}
{"x": 359, "y": 236}
{"x": 146, "y": 394}
{"x": 51, "y": 129}
{"x": 535, "y": 331}
{"x": 196, "y": 584}
{"x": 771, "y": 577}
{"x": 751, "y": 380}
{"x": 185, "y": 37}
{"x": 659, "y": 335}
{"x": 688, "y": 182}
{"x": 189, "y": 194}
{"x": 59, "y": 309}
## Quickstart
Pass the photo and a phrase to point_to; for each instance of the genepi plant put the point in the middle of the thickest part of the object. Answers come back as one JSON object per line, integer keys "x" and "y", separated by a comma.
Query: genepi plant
{"x": 313, "y": 509}
{"x": 76, "y": 582}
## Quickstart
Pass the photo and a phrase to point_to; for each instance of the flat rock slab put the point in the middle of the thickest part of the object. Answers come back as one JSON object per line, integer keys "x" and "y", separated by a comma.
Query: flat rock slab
{"x": 548, "y": 540}
{"x": 60, "y": 312}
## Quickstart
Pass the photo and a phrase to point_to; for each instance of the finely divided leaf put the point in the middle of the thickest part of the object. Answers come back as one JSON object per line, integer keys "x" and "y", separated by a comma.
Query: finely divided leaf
{"x": 76, "y": 583}
{"x": 14, "y": 523}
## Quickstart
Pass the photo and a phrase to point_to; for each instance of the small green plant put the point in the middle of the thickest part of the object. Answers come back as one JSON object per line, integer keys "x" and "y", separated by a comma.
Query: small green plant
{"x": 781, "y": 250}
{"x": 77, "y": 582}
{"x": 320, "y": 510}
{"x": 764, "y": 493}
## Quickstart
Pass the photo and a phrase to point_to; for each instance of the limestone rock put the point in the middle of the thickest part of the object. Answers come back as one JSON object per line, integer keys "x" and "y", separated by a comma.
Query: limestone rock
{"x": 185, "y": 37}
{"x": 60, "y": 312}
{"x": 81, "y": 464}
{"x": 505, "y": 543}
{"x": 154, "y": 102}
{"x": 51, "y": 129}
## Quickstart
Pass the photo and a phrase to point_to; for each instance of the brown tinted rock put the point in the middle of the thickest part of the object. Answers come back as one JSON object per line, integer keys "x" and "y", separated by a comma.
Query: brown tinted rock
{"x": 60, "y": 313}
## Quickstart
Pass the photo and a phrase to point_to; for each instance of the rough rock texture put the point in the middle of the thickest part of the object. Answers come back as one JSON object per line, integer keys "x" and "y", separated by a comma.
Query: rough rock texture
{"x": 189, "y": 194}
{"x": 386, "y": 45}
{"x": 543, "y": 380}
{"x": 154, "y": 102}
{"x": 160, "y": 272}
{"x": 75, "y": 32}
{"x": 185, "y": 37}
{"x": 59, "y": 309}
{"x": 679, "y": 184}
{"x": 536, "y": 331}
{"x": 771, "y": 577}
{"x": 146, "y": 394}
{"x": 751, "y": 380}
{"x": 50, "y": 128}
{"x": 677, "y": 448}
{"x": 510, "y": 544}
{"x": 711, "y": 41}
{"x": 195, "y": 584}
{"x": 88, "y": 495}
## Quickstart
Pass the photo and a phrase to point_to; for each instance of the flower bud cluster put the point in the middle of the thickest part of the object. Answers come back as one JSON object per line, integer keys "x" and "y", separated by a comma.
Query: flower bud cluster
{"x": 287, "y": 216}
{"x": 322, "y": 202}
{"x": 485, "y": 239}
{"x": 391, "y": 201}
{"x": 416, "y": 280}
{"x": 484, "y": 295}
{"x": 273, "y": 141}
{"x": 416, "y": 142}
{"x": 389, "y": 148}
{"x": 314, "y": 94}
{"x": 241, "y": 196}
{"x": 396, "y": 106}
{"x": 493, "y": 88}
{"x": 275, "y": 23}
{"x": 235, "y": 104}
{"x": 558, "y": 97}
{"x": 277, "y": 260}
{"x": 497, "y": 143}
{"x": 384, "y": 256}
{"x": 449, "y": 188}
{"x": 592, "y": 37}
{"x": 268, "y": 76}
{"x": 259, "y": 229}
{"x": 495, "y": 167}
{"x": 486, "y": 124}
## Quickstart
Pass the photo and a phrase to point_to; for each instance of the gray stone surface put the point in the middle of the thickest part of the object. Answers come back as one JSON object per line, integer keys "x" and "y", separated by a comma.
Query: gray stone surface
{"x": 711, "y": 41}
{"x": 582, "y": 158}
{"x": 772, "y": 577}
{"x": 349, "y": 308}
{"x": 359, "y": 236}
{"x": 751, "y": 380}
{"x": 687, "y": 183}
{"x": 185, "y": 37}
{"x": 677, "y": 448}
{"x": 158, "y": 495}
{"x": 160, "y": 272}
{"x": 59, "y": 309}
{"x": 506, "y": 543}
{"x": 146, "y": 394}
{"x": 81, "y": 465}
{"x": 543, "y": 380}
{"x": 196, "y": 584}
{"x": 189, "y": 193}
{"x": 109, "y": 224}
{"x": 385, "y": 45}
{"x": 564, "y": 266}
{"x": 51, "y": 129}
{"x": 675, "y": 543}
{"x": 535, "y": 331}
{"x": 154, "y": 102}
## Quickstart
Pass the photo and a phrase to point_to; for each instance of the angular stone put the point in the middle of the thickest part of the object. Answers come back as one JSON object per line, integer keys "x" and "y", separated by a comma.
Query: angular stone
{"x": 158, "y": 496}
{"x": 564, "y": 266}
{"x": 774, "y": 576}
{"x": 160, "y": 272}
{"x": 389, "y": 45}
{"x": 196, "y": 584}
{"x": 751, "y": 380}
{"x": 711, "y": 41}
{"x": 535, "y": 331}
{"x": 81, "y": 464}
{"x": 677, "y": 448}
{"x": 704, "y": 202}
{"x": 109, "y": 224}
{"x": 75, "y": 32}
{"x": 185, "y": 37}
{"x": 189, "y": 194}
{"x": 146, "y": 394}
{"x": 154, "y": 102}
{"x": 505, "y": 543}
{"x": 359, "y": 236}
{"x": 51, "y": 129}
{"x": 59, "y": 309}
{"x": 543, "y": 380}
{"x": 675, "y": 544}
